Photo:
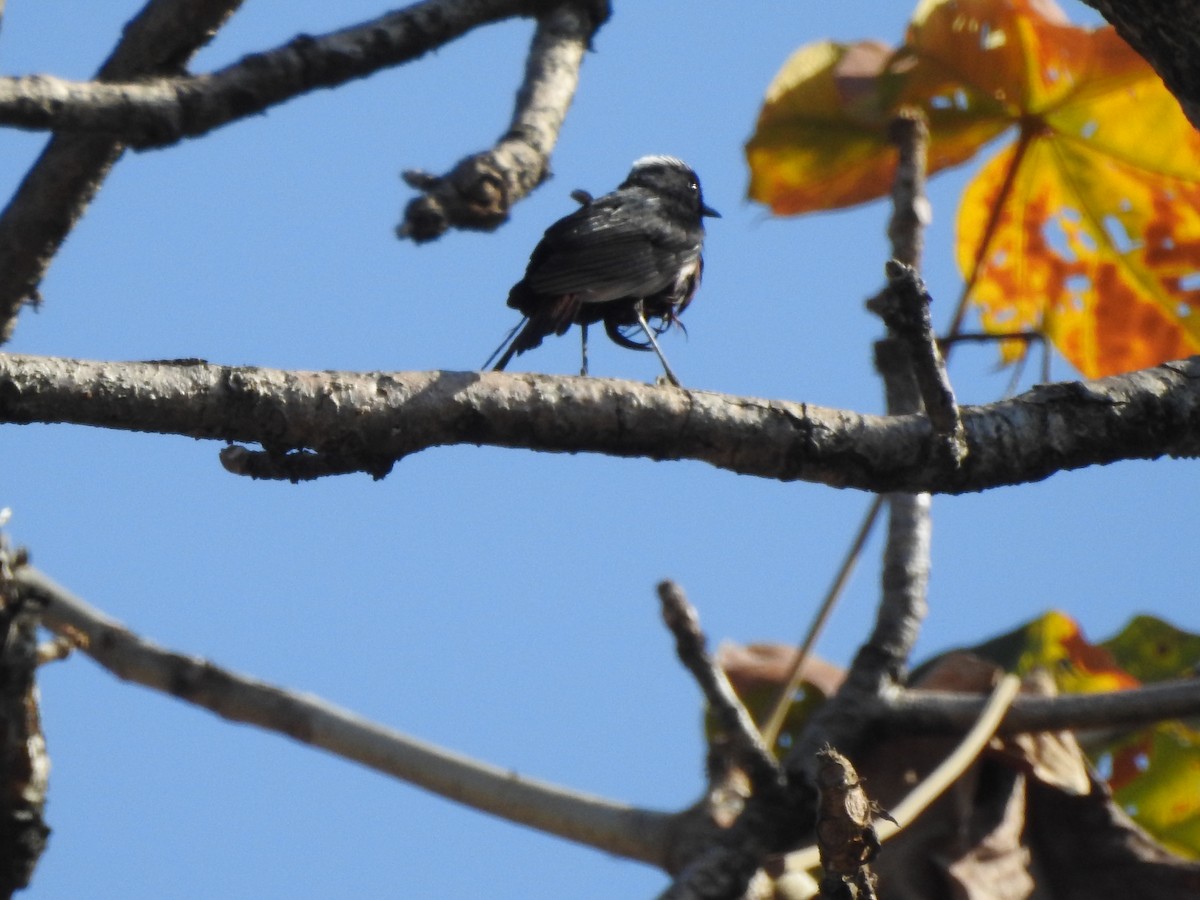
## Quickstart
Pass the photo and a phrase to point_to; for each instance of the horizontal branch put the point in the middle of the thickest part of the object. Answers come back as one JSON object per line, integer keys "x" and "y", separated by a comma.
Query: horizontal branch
{"x": 161, "y": 111}
{"x": 369, "y": 420}
{"x": 615, "y": 828}
{"x": 946, "y": 711}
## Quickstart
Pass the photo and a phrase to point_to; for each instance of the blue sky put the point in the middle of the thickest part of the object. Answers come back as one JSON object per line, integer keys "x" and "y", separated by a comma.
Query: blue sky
{"x": 497, "y": 602}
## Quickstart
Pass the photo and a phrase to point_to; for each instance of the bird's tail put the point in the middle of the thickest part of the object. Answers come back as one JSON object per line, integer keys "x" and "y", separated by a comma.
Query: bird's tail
{"x": 527, "y": 334}
{"x": 507, "y": 342}
{"x": 552, "y": 318}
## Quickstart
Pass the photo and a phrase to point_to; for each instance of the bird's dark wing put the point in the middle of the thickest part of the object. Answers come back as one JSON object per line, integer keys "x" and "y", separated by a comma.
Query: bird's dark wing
{"x": 604, "y": 251}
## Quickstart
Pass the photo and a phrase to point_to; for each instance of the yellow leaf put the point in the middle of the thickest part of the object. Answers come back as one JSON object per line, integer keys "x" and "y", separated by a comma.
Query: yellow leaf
{"x": 1055, "y": 642}
{"x": 1087, "y": 229}
{"x": 1164, "y": 795}
{"x": 820, "y": 142}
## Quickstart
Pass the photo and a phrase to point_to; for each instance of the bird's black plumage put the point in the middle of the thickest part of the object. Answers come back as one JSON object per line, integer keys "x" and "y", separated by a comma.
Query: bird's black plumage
{"x": 629, "y": 259}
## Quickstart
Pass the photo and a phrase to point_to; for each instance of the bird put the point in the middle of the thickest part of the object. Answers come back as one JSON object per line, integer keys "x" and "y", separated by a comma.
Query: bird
{"x": 630, "y": 259}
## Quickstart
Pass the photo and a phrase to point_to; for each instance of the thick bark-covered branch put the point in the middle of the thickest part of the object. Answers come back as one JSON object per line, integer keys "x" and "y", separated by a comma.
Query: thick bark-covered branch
{"x": 373, "y": 418}
{"x": 160, "y": 111}
{"x": 60, "y": 185}
{"x": 1167, "y": 34}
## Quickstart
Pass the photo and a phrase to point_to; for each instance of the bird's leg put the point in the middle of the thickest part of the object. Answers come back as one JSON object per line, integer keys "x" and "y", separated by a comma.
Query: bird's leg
{"x": 637, "y": 309}
{"x": 583, "y": 338}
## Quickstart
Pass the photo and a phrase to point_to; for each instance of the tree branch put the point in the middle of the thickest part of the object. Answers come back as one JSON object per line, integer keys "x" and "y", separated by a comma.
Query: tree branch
{"x": 747, "y": 745}
{"x": 903, "y": 604}
{"x": 904, "y": 306}
{"x": 60, "y": 185}
{"x": 123, "y": 108}
{"x": 156, "y": 112}
{"x": 933, "y": 711}
{"x": 615, "y": 828}
{"x": 370, "y": 417}
{"x": 481, "y": 189}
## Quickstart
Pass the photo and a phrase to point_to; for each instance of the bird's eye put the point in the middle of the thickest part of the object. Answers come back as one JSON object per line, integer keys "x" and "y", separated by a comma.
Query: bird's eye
{"x": 694, "y": 186}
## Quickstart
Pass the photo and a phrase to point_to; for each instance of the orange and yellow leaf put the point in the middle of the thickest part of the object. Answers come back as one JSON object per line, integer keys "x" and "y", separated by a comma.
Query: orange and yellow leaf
{"x": 1086, "y": 229}
{"x": 820, "y": 141}
{"x": 1055, "y": 644}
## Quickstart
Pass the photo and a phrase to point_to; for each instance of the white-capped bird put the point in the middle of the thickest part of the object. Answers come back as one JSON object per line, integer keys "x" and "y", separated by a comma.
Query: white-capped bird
{"x": 630, "y": 259}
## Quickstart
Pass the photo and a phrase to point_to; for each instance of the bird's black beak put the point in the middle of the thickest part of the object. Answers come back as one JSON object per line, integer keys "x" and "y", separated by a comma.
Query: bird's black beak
{"x": 709, "y": 211}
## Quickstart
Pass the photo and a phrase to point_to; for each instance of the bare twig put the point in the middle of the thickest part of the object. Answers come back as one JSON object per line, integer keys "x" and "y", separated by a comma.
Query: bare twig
{"x": 904, "y": 306}
{"x": 911, "y": 212}
{"x": 902, "y": 604}
{"x": 786, "y": 696}
{"x": 125, "y": 108}
{"x": 612, "y": 827}
{"x": 481, "y": 189}
{"x": 910, "y": 207}
{"x": 1051, "y": 428}
{"x": 773, "y": 816}
{"x": 754, "y": 755}
{"x": 61, "y": 184}
{"x": 904, "y": 303}
{"x": 988, "y": 337}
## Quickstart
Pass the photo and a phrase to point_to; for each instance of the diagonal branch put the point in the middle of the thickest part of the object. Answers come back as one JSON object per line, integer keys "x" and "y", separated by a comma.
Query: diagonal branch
{"x": 160, "y": 111}
{"x": 56, "y": 191}
{"x": 376, "y": 418}
{"x": 747, "y": 745}
{"x": 616, "y": 828}
{"x": 481, "y": 189}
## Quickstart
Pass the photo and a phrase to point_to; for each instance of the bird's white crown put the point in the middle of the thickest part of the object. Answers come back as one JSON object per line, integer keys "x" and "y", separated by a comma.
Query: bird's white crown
{"x": 648, "y": 162}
